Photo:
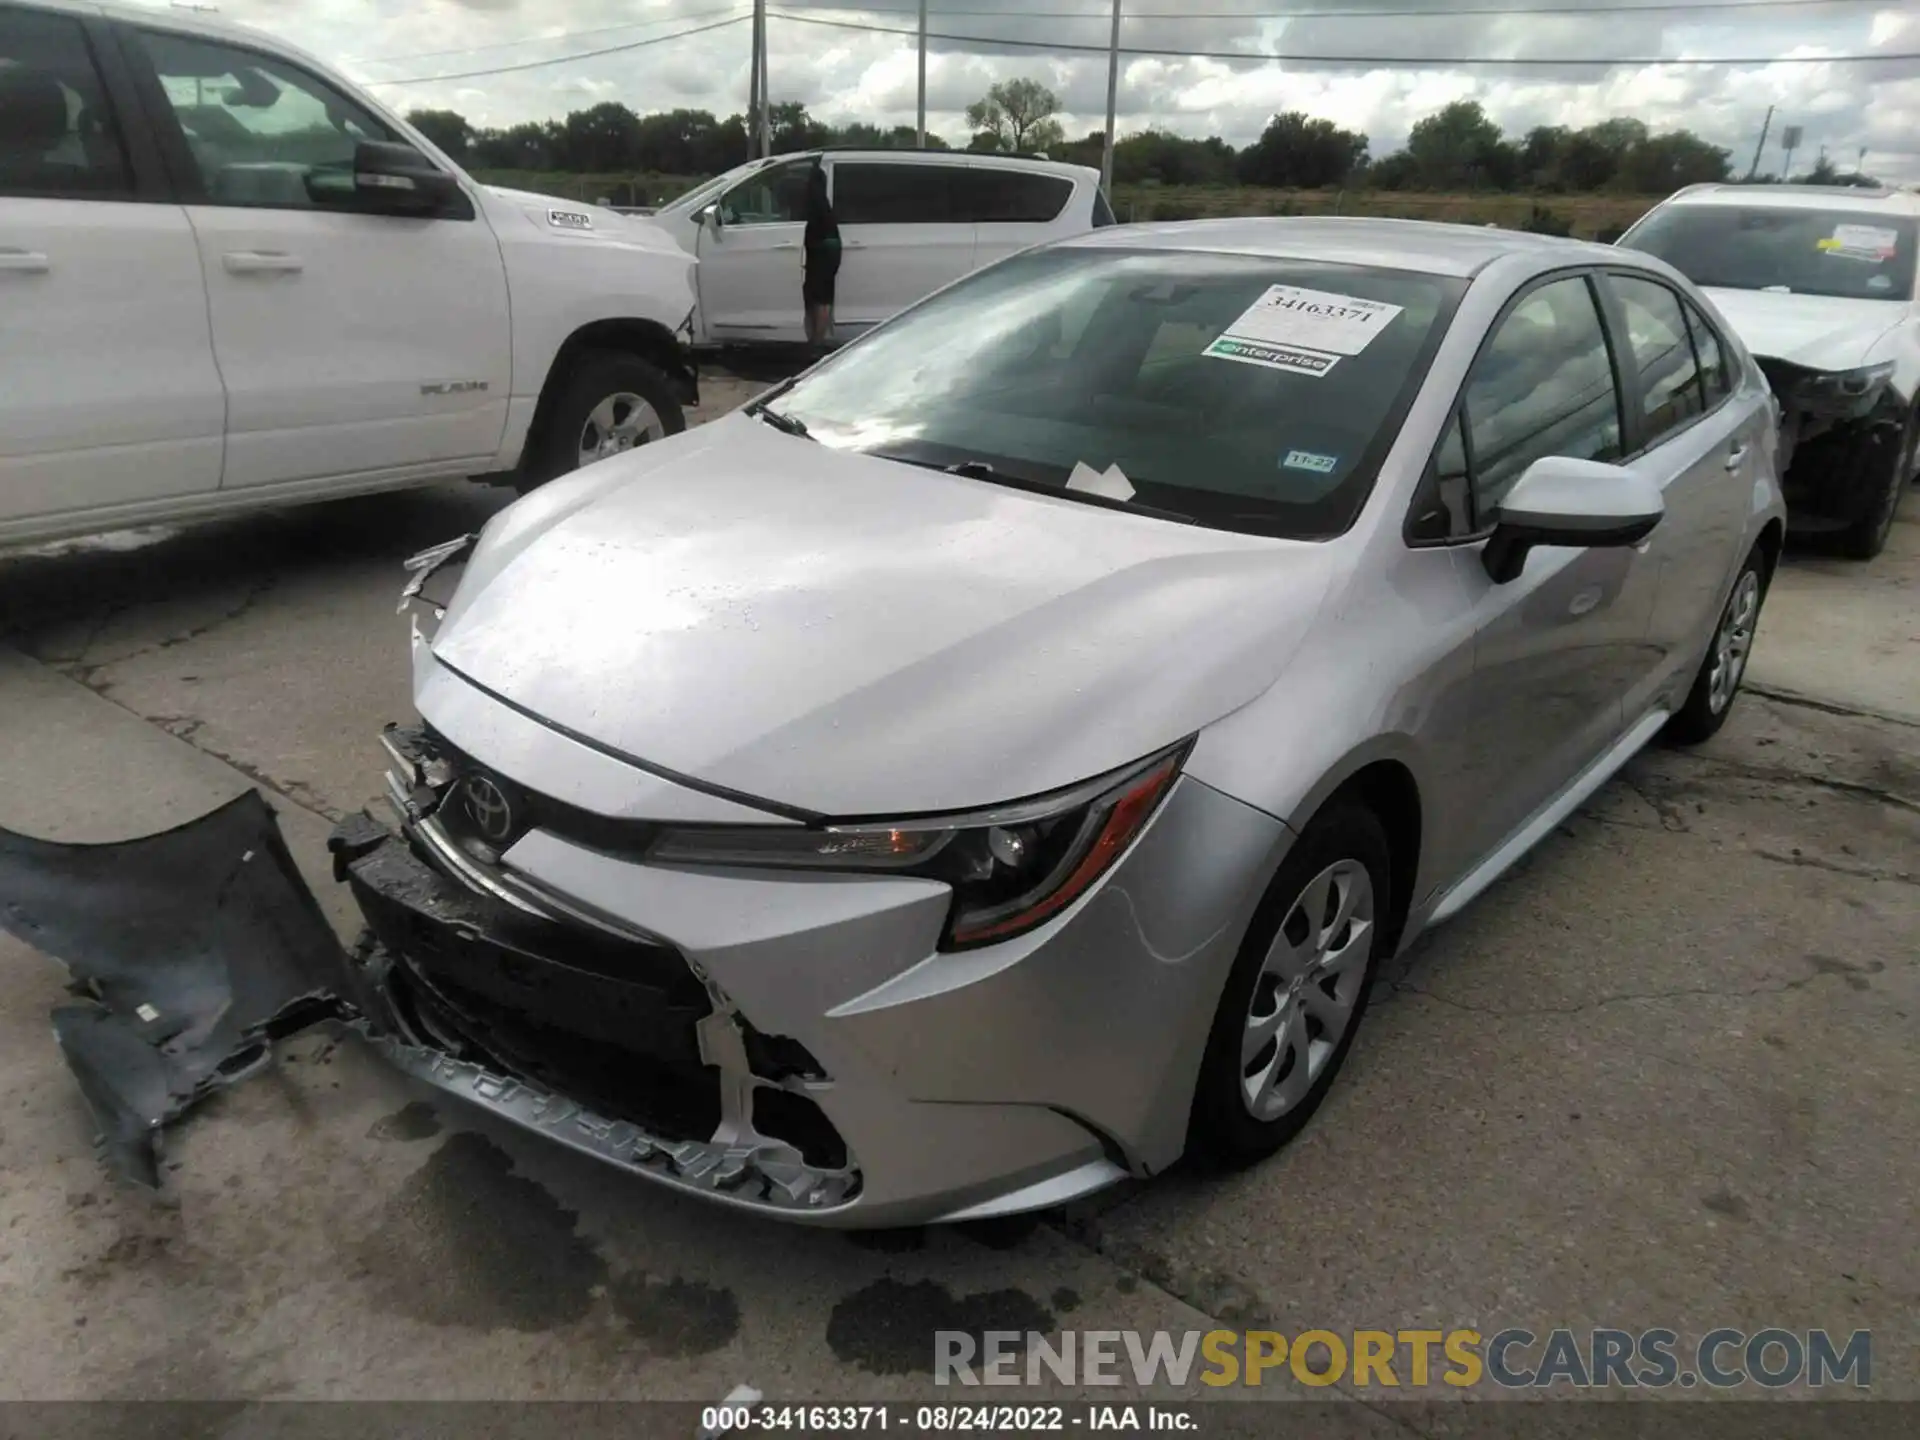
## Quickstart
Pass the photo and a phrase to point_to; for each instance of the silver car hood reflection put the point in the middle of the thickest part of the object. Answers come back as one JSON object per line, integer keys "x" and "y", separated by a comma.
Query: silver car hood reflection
{"x": 854, "y": 636}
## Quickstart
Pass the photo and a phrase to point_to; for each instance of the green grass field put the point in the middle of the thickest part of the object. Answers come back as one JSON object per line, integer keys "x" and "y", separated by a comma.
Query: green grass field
{"x": 1588, "y": 215}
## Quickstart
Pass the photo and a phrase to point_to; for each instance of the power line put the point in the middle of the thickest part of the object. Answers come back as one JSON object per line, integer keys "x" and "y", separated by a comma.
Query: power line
{"x": 1659, "y": 7}
{"x": 565, "y": 59}
{"x": 1597, "y": 11}
{"x": 521, "y": 44}
{"x": 1433, "y": 62}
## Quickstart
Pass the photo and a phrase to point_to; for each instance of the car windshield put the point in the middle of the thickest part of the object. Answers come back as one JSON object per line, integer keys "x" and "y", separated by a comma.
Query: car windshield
{"x": 1850, "y": 254}
{"x": 1241, "y": 392}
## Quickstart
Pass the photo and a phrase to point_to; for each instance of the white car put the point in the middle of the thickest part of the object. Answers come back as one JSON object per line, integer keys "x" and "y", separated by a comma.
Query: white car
{"x": 911, "y": 221}
{"x": 1819, "y": 283}
{"x": 229, "y": 280}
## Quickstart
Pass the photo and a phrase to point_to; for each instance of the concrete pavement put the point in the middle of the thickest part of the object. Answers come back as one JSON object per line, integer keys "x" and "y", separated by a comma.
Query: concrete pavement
{"x": 1664, "y": 1074}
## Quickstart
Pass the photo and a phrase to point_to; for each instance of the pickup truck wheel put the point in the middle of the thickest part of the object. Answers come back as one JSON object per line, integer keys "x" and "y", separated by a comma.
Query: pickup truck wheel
{"x": 610, "y": 404}
{"x": 1867, "y": 536}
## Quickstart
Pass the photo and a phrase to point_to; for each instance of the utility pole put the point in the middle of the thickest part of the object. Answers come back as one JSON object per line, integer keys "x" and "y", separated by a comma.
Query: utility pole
{"x": 1113, "y": 96}
{"x": 753, "y": 80}
{"x": 920, "y": 130}
{"x": 1765, "y": 125}
{"x": 759, "y": 121}
{"x": 766, "y": 94}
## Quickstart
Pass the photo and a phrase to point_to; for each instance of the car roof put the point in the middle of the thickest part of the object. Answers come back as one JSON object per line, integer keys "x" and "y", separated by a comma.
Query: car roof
{"x": 1880, "y": 200}
{"x": 916, "y": 155}
{"x": 184, "y": 20}
{"x": 1425, "y": 246}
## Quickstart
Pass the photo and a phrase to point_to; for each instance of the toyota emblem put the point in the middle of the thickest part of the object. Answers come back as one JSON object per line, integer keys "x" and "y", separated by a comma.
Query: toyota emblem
{"x": 489, "y": 809}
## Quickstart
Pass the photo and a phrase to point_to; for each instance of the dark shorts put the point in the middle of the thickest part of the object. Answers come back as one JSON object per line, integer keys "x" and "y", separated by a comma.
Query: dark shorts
{"x": 822, "y": 267}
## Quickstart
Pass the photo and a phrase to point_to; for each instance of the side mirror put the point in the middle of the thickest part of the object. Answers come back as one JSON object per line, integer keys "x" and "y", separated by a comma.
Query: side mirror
{"x": 1581, "y": 504}
{"x": 710, "y": 215}
{"x": 391, "y": 178}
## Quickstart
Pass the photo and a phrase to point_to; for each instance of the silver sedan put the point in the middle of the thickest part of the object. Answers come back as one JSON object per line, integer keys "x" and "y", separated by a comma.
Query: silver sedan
{"x": 998, "y": 761}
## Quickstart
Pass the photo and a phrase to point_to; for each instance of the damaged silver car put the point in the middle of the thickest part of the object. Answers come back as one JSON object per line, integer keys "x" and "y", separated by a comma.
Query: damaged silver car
{"x": 997, "y": 762}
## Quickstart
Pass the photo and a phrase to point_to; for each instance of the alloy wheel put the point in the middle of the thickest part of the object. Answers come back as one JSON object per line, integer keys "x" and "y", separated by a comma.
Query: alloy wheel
{"x": 1304, "y": 996}
{"x": 617, "y": 424}
{"x": 1733, "y": 641}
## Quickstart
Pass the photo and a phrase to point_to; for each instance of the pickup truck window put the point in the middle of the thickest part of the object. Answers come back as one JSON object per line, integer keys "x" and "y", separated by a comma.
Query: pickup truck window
{"x": 57, "y": 134}
{"x": 256, "y": 126}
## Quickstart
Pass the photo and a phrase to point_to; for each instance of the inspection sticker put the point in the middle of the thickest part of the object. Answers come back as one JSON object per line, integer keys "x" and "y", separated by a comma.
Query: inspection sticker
{"x": 1310, "y": 460}
{"x": 1305, "y": 331}
{"x": 1861, "y": 242}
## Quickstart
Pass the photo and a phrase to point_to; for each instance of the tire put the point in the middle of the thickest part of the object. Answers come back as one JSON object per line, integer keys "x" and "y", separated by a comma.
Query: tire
{"x": 1716, "y": 686}
{"x": 1228, "y": 1131}
{"x": 600, "y": 386}
{"x": 1867, "y": 536}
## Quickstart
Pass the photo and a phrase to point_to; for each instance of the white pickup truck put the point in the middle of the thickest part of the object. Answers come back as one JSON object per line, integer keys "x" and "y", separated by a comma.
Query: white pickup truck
{"x": 230, "y": 280}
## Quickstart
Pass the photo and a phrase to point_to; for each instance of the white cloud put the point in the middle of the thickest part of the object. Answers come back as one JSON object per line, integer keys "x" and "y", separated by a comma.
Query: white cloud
{"x": 844, "y": 75}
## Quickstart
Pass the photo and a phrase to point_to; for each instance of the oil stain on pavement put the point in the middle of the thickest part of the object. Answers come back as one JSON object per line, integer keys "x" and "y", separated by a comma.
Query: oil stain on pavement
{"x": 415, "y": 1121}
{"x": 678, "y": 1318}
{"x": 887, "y": 1328}
{"x": 466, "y": 1242}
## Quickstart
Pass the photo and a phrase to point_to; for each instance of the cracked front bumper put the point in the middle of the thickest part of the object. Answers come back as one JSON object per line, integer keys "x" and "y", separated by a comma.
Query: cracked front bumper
{"x": 984, "y": 1082}
{"x": 791, "y": 1044}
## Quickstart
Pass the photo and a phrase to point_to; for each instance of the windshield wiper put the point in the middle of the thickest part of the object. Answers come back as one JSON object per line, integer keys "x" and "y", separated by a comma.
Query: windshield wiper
{"x": 982, "y": 470}
{"x": 785, "y": 424}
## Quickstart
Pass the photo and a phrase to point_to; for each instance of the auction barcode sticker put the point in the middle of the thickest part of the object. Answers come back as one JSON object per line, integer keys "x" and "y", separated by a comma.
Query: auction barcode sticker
{"x": 1305, "y": 331}
{"x": 1862, "y": 242}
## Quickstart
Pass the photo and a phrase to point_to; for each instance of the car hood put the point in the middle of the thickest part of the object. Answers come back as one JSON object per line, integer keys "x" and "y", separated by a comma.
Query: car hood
{"x": 604, "y": 225}
{"x": 853, "y": 636}
{"x": 1817, "y": 331}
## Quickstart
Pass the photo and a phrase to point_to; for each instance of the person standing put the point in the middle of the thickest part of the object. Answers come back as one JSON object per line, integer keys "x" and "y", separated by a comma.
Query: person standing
{"x": 822, "y": 244}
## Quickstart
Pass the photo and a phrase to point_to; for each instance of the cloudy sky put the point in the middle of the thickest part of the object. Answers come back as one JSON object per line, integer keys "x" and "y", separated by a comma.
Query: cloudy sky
{"x": 846, "y": 74}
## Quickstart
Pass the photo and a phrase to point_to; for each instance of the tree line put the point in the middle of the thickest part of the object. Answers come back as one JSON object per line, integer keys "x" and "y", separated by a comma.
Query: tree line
{"x": 1458, "y": 148}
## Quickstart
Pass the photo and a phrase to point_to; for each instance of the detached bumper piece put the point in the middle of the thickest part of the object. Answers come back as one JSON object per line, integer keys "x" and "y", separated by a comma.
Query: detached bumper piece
{"x": 193, "y": 950}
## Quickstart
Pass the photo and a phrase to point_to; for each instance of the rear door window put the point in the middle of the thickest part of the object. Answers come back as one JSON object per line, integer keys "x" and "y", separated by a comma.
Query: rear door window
{"x": 891, "y": 193}
{"x": 1662, "y": 351}
{"x": 57, "y": 133}
{"x": 1712, "y": 355}
{"x": 989, "y": 196}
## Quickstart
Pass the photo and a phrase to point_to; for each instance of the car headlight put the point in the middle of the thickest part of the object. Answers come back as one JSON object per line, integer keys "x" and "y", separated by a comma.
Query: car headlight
{"x": 1011, "y": 868}
{"x": 1859, "y": 386}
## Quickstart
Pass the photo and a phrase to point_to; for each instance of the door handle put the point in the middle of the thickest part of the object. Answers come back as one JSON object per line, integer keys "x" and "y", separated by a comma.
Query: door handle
{"x": 855, "y": 244}
{"x": 24, "y": 262}
{"x": 261, "y": 262}
{"x": 1736, "y": 457}
{"x": 788, "y": 245}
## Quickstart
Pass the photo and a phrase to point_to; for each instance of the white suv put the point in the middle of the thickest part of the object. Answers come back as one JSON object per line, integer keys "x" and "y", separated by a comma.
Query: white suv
{"x": 1819, "y": 283}
{"x": 910, "y": 221}
{"x": 230, "y": 280}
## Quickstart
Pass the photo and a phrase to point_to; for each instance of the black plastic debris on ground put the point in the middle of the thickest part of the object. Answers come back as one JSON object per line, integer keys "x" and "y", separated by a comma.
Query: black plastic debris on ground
{"x": 191, "y": 951}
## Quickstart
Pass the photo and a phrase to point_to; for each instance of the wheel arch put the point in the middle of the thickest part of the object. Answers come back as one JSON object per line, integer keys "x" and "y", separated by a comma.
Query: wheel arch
{"x": 1383, "y": 776}
{"x": 1770, "y": 543}
{"x": 648, "y": 339}
{"x": 1387, "y": 788}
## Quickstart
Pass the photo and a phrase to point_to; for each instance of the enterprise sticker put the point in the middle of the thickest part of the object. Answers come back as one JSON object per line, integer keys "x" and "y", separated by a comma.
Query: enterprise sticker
{"x": 1304, "y": 331}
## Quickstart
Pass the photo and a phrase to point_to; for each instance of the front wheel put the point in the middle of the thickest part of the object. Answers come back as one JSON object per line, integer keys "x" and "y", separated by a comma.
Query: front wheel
{"x": 610, "y": 403}
{"x": 1867, "y": 536}
{"x": 1718, "y": 681}
{"x": 1297, "y": 992}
